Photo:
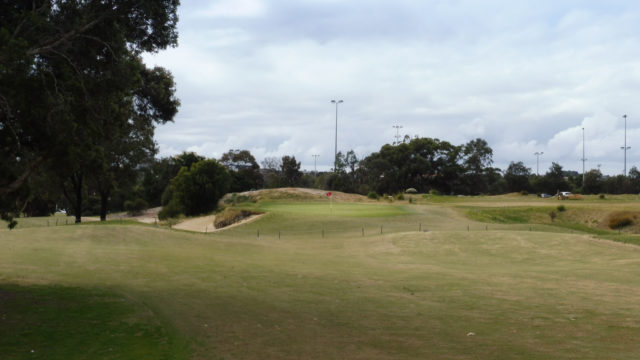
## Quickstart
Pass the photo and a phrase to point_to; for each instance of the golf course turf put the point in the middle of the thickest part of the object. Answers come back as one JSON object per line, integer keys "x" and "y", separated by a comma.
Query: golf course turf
{"x": 321, "y": 280}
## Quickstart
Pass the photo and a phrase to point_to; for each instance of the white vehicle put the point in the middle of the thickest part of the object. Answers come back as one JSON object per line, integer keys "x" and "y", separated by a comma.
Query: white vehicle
{"x": 565, "y": 193}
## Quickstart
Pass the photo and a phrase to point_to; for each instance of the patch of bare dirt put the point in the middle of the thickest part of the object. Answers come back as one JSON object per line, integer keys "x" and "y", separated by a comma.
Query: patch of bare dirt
{"x": 204, "y": 224}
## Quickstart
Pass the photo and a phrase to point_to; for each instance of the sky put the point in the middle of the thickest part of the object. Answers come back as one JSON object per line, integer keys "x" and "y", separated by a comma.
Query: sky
{"x": 527, "y": 76}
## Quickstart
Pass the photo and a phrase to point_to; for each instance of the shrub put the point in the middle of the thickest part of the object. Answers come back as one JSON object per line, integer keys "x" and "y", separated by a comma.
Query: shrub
{"x": 197, "y": 190}
{"x": 373, "y": 195}
{"x": 620, "y": 219}
{"x": 434, "y": 192}
{"x": 135, "y": 207}
{"x": 524, "y": 193}
{"x": 411, "y": 191}
{"x": 552, "y": 215}
{"x": 399, "y": 196}
{"x": 230, "y": 216}
{"x": 171, "y": 210}
{"x": 561, "y": 208}
{"x": 601, "y": 196}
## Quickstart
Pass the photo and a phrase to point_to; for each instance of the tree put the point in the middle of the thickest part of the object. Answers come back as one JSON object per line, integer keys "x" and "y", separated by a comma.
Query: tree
{"x": 592, "y": 182}
{"x": 476, "y": 159}
{"x": 517, "y": 177}
{"x": 159, "y": 172}
{"x": 244, "y": 170}
{"x": 55, "y": 59}
{"x": 291, "y": 173}
{"x": 197, "y": 190}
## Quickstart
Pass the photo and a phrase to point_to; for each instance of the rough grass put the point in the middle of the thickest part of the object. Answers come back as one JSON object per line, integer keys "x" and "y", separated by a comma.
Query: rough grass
{"x": 278, "y": 288}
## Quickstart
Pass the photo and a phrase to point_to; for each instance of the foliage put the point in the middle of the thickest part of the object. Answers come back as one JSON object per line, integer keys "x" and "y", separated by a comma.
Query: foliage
{"x": 373, "y": 195}
{"x": 561, "y": 208}
{"x": 135, "y": 207}
{"x": 75, "y": 95}
{"x": 244, "y": 170}
{"x": 172, "y": 210}
{"x": 290, "y": 170}
{"x": 399, "y": 196}
{"x": 517, "y": 177}
{"x": 552, "y": 215}
{"x": 620, "y": 219}
{"x": 197, "y": 190}
{"x": 230, "y": 216}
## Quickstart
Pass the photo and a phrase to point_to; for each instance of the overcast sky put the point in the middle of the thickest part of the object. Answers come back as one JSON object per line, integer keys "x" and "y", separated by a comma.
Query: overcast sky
{"x": 526, "y": 76}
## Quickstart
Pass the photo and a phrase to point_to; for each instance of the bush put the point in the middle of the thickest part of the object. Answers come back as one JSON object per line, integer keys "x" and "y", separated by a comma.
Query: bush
{"x": 399, "y": 196}
{"x": 601, "y": 196}
{"x": 135, "y": 207}
{"x": 561, "y": 208}
{"x": 373, "y": 195}
{"x": 620, "y": 219}
{"x": 434, "y": 192}
{"x": 524, "y": 193}
{"x": 552, "y": 215}
{"x": 411, "y": 191}
{"x": 230, "y": 216}
{"x": 171, "y": 210}
{"x": 197, "y": 190}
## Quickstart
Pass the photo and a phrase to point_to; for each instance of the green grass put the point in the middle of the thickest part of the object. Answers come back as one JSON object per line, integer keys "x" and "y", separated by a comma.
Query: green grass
{"x": 497, "y": 291}
{"x": 56, "y": 322}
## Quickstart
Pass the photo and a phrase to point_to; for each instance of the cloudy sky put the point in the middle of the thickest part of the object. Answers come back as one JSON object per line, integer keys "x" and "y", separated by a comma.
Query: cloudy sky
{"x": 524, "y": 75}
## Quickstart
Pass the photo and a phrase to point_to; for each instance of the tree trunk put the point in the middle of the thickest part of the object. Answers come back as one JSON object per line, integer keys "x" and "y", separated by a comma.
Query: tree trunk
{"x": 76, "y": 181}
{"x": 104, "y": 201}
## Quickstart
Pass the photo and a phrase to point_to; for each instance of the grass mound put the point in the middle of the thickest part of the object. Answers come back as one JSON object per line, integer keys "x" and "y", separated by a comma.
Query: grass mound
{"x": 230, "y": 216}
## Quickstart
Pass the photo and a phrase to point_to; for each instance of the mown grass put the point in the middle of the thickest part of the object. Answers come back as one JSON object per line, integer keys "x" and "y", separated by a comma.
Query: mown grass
{"x": 57, "y": 322}
{"x": 448, "y": 293}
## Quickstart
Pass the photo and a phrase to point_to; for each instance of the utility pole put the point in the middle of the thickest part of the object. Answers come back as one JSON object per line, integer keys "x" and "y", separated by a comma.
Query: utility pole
{"x": 397, "y": 127}
{"x": 537, "y": 154}
{"x": 625, "y": 147}
{"x": 315, "y": 158}
{"x": 335, "y": 156}
{"x": 583, "y": 158}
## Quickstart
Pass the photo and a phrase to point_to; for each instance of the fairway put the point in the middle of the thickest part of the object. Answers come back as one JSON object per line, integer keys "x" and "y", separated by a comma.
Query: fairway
{"x": 500, "y": 291}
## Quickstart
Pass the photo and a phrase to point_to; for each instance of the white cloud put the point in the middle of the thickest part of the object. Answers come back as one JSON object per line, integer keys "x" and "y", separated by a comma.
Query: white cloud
{"x": 526, "y": 76}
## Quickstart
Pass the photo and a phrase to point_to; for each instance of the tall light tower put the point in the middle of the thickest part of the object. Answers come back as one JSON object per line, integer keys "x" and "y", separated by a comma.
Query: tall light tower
{"x": 315, "y": 158}
{"x": 583, "y": 158}
{"x": 537, "y": 154}
{"x": 625, "y": 147}
{"x": 397, "y": 127}
{"x": 335, "y": 156}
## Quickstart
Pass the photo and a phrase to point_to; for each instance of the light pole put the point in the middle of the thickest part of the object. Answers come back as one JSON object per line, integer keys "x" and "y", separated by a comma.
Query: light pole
{"x": 397, "y": 127}
{"x": 625, "y": 147}
{"x": 583, "y": 158}
{"x": 537, "y": 154}
{"x": 315, "y": 158}
{"x": 335, "y": 155}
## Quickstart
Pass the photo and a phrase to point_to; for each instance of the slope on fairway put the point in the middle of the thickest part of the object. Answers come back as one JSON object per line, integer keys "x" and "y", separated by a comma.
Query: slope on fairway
{"x": 442, "y": 294}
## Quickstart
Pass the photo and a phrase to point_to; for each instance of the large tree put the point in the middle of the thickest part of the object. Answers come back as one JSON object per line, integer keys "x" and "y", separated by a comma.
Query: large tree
{"x": 61, "y": 66}
{"x": 244, "y": 170}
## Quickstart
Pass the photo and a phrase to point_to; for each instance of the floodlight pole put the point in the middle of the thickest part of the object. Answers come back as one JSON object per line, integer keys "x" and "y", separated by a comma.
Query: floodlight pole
{"x": 335, "y": 155}
{"x": 625, "y": 147}
{"x": 583, "y": 158}
{"x": 397, "y": 127}
{"x": 537, "y": 154}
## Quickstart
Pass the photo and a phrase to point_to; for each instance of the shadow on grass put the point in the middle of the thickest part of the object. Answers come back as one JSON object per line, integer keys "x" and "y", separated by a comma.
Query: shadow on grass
{"x": 56, "y": 322}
